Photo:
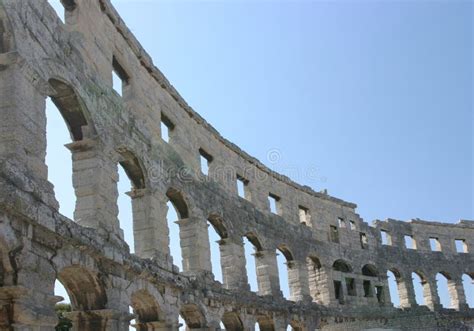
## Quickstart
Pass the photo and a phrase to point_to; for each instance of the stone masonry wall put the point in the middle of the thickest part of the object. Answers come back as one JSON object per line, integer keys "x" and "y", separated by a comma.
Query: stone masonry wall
{"x": 337, "y": 264}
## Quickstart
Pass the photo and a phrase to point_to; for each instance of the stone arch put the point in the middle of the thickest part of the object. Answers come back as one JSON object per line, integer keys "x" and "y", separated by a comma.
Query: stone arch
{"x": 193, "y": 316}
{"x": 179, "y": 202}
{"x": 84, "y": 288}
{"x": 467, "y": 282}
{"x": 297, "y": 325}
{"x": 253, "y": 238}
{"x": 283, "y": 248}
{"x": 232, "y": 322}
{"x": 397, "y": 286}
{"x": 146, "y": 307}
{"x": 342, "y": 266}
{"x": 370, "y": 270}
{"x": 133, "y": 168}
{"x": 423, "y": 299}
{"x": 218, "y": 224}
{"x": 71, "y": 107}
{"x": 265, "y": 323}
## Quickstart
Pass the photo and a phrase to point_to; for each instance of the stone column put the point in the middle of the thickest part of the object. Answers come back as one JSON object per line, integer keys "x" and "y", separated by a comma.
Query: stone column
{"x": 195, "y": 248}
{"x": 298, "y": 281}
{"x": 430, "y": 294}
{"x": 321, "y": 286}
{"x": 267, "y": 273}
{"x": 95, "y": 178}
{"x": 23, "y": 129}
{"x": 150, "y": 228}
{"x": 23, "y": 309}
{"x": 406, "y": 291}
{"x": 456, "y": 292}
{"x": 233, "y": 264}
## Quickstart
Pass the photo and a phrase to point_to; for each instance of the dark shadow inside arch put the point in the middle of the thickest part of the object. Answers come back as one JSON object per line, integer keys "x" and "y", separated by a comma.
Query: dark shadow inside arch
{"x": 69, "y": 105}
{"x": 342, "y": 266}
{"x": 265, "y": 323}
{"x": 133, "y": 169}
{"x": 179, "y": 203}
{"x": 370, "y": 270}
{"x": 84, "y": 288}
{"x": 3, "y": 46}
{"x": 193, "y": 317}
{"x": 218, "y": 224}
{"x": 252, "y": 237}
{"x": 286, "y": 252}
{"x": 145, "y": 307}
{"x": 232, "y": 322}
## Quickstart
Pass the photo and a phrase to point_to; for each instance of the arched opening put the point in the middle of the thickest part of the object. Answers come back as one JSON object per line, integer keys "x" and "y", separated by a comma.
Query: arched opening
{"x": 146, "y": 309}
{"x": 284, "y": 265}
{"x": 369, "y": 270}
{"x": 467, "y": 282}
{"x": 131, "y": 179}
{"x": 192, "y": 316}
{"x": 232, "y": 322}
{"x": 217, "y": 232}
{"x": 177, "y": 210}
{"x": 62, "y": 307}
{"x": 342, "y": 282}
{"x": 84, "y": 288}
{"x": 444, "y": 294}
{"x": 315, "y": 278}
{"x": 65, "y": 122}
{"x": 251, "y": 247}
{"x": 342, "y": 266}
{"x": 393, "y": 278}
{"x": 418, "y": 285}
{"x": 265, "y": 323}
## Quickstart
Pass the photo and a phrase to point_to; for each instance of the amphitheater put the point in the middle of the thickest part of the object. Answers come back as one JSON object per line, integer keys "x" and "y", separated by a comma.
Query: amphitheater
{"x": 337, "y": 264}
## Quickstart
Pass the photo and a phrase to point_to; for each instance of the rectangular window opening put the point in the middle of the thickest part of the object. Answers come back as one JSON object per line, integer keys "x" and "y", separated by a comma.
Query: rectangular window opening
{"x": 305, "y": 216}
{"x": 120, "y": 78}
{"x": 166, "y": 127}
{"x": 368, "y": 289}
{"x": 206, "y": 160}
{"x": 338, "y": 291}
{"x": 386, "y": 238}
{"x": 341, "y": 222}
{"x": 364, "y": 242}
{"x": 352, "y": 225}
{"x": 274, "y": 202}
{"x": 243, "y": 188}
{"x": 435, "y": 245}
{"x": 351, "y": 287}
{"x": 461, "y": 246}
{"x": 410, "y": 242}
{"x": 334, "y": 234}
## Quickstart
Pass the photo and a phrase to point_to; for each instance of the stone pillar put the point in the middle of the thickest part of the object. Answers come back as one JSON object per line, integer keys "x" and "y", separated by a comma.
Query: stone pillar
{"x": 23, "y": 309}
{"x": 23, "y": 129}
{"x": 233, "y": 264}
{"x": 100, "y": 320}
{"x": 456, "y": 292}
{"x": 322, "y": 288}
{"x": 280, "y": 324}
{"x": 406, "y": 291}
{"x": 298, "y": 281}
{"x": 150, "y": 228}
{"x": 195, "y": 248}
{"x": 95, "y": 178}
{"x": 430, "y": 294}
{"x": 267, "y": 273}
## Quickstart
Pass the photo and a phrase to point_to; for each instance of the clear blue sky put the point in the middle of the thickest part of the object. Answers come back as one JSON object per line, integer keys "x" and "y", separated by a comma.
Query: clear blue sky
{"x": 375, "y": 95}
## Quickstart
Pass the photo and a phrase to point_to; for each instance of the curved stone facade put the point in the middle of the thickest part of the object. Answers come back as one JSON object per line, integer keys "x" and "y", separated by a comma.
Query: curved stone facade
{"x": 337, "y": 264}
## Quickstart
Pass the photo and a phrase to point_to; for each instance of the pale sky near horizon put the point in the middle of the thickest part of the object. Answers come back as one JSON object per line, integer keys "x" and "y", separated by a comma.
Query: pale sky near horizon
{"x": 374, "y": 95}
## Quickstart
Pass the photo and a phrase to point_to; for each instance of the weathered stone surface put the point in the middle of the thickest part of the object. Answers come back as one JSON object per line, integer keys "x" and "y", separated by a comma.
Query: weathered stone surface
{"x": 328, "y": 247}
